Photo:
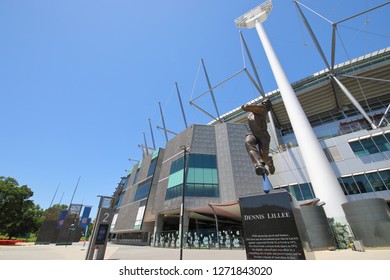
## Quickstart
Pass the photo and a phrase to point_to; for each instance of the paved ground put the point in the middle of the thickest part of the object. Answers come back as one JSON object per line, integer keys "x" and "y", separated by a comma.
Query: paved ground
{"x": 122, "y": 252}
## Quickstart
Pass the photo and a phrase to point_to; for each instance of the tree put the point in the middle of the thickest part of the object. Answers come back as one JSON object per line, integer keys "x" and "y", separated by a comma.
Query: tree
{"x": 19, "y": 214}
{"x": 53, "y": 212}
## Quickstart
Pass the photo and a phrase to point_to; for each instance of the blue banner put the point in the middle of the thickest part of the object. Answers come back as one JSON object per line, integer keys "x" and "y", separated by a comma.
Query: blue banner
{"x": 84, "y": 221}
{"x": 61, "y": 220}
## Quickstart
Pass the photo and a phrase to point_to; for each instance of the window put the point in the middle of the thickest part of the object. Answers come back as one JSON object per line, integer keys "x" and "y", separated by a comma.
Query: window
{"x": 295, "y": 191}
{"x": 152, "y": 166}
{"x": 370, "y": 145}
{"x": 202, "y": 161}
{"x": 173, "y": 192}
{"x": 350, "y": 185}
{"x": 126, "y": 182}
{"x": 112, "y": 226}
{"x": 362, "y": 183}
{"x": 136, "y": 176}
{"x": 358, "y": 148}
{"x": 120, "y": 199}
{"x": 307, "y": 191}
{"x": 153, "y": 163}
{"x": 140, "y": 215}
{"x": 365, "y": 183}
{"x": 342, "y": 186}
{"x": 385, "y": 176}
{"x": 142, "y": 191}
{"x": 382, "y": 143}
{"x": 354, "y": 184}
{"x": 202, "y": 177}
{"x": 376, "y": 181}
{"x": 301, "y": 192}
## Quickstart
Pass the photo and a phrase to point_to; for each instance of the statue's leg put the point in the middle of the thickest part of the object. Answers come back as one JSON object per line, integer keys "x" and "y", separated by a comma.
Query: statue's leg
{"x": 251, "y": 143}
{"x": 270, "y": 164}
{"x": 264, "y": 140}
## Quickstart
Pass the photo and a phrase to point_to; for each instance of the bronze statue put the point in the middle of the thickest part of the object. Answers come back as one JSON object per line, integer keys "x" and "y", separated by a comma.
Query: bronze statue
{"x": 258, "y": 139}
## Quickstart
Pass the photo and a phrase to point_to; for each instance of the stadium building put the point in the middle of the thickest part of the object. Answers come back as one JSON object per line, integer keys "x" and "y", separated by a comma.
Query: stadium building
{"x": 218, "y": 170}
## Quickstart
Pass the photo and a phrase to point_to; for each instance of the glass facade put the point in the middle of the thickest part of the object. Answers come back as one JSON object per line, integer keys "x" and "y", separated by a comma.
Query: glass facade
{"x": 362, "y": 183}
{"x": 202, "y": 177}
{"x": 383, "y": 142}
{"x": 120, "y": 199}
{"x": 307, "y": 191}
{"x": 365, "y": 182}
{"x": 350, "y": 185}
{"x": 370, "y": 145}
{"x": 301, "y": 192}
{"x": 376, "y": 181}
{"x": 126, "y": 182}
{"x": 143, "y": 191}
{"x": 152, "y": 166}
{"x": 136, "y": 177}
{"x": 357, "y": 148}
{"x": 153, "y": 163}
{"x": 385, "y": 176}
{"x": 368, "y": 182}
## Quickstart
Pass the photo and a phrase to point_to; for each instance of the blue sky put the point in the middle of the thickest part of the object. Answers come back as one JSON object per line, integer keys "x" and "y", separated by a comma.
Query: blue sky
{"x": 79, "y": 79}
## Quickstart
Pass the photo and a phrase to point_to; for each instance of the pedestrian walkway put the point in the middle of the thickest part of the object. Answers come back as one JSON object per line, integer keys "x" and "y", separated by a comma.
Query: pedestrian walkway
{"x": 77, "y": 251}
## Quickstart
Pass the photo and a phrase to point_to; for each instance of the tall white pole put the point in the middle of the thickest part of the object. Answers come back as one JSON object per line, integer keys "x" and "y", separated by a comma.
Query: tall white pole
{"x": 322, "y": 177}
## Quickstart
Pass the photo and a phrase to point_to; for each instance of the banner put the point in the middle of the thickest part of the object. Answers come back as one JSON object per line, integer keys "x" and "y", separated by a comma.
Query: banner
{"x": 61, "y": 220}
{"x": 75, "y": 209}
{"x": 84, "y": 221}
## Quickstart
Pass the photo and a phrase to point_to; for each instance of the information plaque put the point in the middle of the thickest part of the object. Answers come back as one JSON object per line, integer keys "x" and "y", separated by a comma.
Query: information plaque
{"x": 270, "y": 228}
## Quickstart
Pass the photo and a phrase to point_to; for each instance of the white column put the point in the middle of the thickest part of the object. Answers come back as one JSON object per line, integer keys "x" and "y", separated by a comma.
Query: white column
{"x": 320, "y": 172}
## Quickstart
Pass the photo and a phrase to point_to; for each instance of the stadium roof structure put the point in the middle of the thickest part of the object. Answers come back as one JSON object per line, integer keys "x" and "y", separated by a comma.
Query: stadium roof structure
{"x": 366, "y": 77}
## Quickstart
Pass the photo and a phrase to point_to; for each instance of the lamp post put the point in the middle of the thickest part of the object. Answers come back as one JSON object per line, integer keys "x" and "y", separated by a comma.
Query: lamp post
{"x": 184, "y": 148}
{"x": 320, "y": 172}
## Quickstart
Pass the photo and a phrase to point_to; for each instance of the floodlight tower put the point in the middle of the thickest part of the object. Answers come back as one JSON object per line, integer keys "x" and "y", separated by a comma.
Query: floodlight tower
{"x": 320, "y": 172}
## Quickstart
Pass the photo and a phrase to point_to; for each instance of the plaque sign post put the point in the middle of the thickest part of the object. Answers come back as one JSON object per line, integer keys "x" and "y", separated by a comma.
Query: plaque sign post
{"x": 98, "y": 241}
{"x": 273, "y": 227}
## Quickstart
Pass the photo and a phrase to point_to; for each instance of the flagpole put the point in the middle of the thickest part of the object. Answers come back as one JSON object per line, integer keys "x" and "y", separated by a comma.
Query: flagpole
{"x": 51, "y": 203}
{"x": 74, "y": 192}
{"x": 69, "y": 209}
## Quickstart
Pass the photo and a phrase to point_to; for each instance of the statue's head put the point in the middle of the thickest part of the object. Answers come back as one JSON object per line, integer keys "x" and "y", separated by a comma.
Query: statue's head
{"x": 267, "y": 104}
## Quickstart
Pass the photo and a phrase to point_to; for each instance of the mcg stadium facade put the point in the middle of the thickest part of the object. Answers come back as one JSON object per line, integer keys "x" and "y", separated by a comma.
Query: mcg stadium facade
{"x": 218, "y": 169}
